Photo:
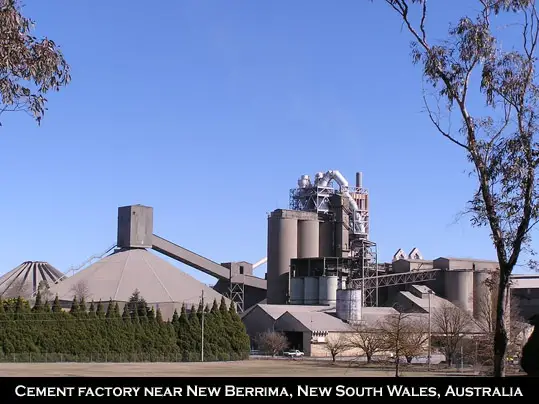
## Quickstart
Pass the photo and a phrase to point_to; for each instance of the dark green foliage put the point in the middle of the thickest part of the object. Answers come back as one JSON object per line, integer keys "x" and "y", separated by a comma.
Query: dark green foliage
{"x": 530, "y": 352}
{"x": 56, "y": 308}
{"x": 38, "y": 305}
{"x": 99, "y": 334}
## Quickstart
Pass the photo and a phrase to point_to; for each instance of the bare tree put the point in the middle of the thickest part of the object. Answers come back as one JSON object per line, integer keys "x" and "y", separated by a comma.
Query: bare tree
{"x": 272, "y": 342}
{"x": 81, "y": 290}
{"x": 336, "y": 344}
{"x": 17, "y": 288}
{"x": 370, "y": 340}
{"x": 397, "y": 329}
{"x": 451, "y": 325}
{"x": 485, "y": 319}
{"x": 499, "y": 139}
{"x": 29, "y": 67}
{"x": 44, "y": 290}
{"x": 415, "y": 338}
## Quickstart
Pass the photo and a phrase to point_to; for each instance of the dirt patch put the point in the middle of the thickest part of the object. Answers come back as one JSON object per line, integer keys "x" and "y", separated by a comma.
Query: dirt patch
{"x": 254, "y": 368}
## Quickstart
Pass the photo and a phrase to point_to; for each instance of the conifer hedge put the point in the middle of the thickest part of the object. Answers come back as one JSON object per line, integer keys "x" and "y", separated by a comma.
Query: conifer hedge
{"x": 45, "y": 332}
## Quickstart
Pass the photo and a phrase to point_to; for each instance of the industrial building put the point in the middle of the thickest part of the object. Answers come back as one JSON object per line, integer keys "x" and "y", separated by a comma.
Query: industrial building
{"x": 323, "y": 274}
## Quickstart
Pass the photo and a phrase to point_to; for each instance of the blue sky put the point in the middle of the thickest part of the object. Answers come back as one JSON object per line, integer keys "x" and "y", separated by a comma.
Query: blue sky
{"x": 209, "y": 111}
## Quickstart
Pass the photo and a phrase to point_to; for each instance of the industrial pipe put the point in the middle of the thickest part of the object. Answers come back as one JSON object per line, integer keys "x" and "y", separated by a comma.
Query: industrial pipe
{"x": 337, "y": 176}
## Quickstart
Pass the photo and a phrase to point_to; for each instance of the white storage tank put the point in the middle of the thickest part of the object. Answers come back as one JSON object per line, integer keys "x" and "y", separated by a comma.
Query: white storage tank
{"x": 349, "y": 305}
{"x": 310, "y": 290}
{"x": 296, "y": 290}
{"x": 327, "y": 290}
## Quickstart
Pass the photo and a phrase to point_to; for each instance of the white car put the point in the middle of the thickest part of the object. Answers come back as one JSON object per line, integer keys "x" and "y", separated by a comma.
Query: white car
{"x": 294, "y": 353}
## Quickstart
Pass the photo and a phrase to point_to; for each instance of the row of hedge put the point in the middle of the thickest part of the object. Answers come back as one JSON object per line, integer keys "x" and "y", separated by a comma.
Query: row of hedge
{"x": 89, "y": 332}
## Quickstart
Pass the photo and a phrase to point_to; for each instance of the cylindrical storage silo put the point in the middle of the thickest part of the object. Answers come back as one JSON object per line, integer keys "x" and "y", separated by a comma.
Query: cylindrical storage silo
{"x": 282, "y": 247}
{"x": 327, "y": 245}
{"x": 308, "y": 238}
{"x": 296, "y": 290}
{"x": 327, "y": 290}
{"x": 459, "y": 288}
{"x": 482, "y": 297}
{"x": 310, "y": 290}
{"x": 349, "y": 305}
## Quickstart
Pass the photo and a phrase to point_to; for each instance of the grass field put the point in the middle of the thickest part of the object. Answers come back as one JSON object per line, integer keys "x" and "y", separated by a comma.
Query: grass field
{"x": 256, "y": 368}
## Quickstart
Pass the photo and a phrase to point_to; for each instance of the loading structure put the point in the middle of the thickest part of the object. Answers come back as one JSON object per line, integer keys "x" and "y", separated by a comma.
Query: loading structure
{"x": 234, "y": 279}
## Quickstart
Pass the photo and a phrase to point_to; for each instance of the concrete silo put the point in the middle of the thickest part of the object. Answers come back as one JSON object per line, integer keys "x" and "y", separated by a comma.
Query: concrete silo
{"x": 459, "y": 287}
{"x": 282, "y": 247}
{"x": 326, "y": 241}
{"x": 308, "y": 238}
{"x": 482, "y": 297}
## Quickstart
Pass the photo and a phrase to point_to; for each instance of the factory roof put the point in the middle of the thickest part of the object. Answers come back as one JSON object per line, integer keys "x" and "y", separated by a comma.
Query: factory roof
{"x": 277, "y": 310}
{"x": 525, "y": 281}
{"x": 118, "y": 275}
{"x": 24, "y": 280}
{"x": 466, "y": 259}
{"x": 312, "y": 321}
{"x": 422, "y": 303}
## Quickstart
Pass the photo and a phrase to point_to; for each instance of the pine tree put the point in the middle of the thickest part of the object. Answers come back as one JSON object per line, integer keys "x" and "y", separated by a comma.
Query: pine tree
{"x": 240, "y": 343}
{"x": 223, "y": 308}
{"x": 100, "y": 311}
{"x": 110, "y": 309}
{"x": 91, "y": 310}
{"x": 125, "y": 315}
{"x": 176, "y": 318}
{"x": 159, "y": 316}
{"x": 38, "y": 305}
{"x": 56, "y": 307}
{"x": 47, "y": 307}
{"x": 82, "y": 306}
{"x": 74, "y": 307}
{"x": 116, "y": 311}
{"x": 2, "y": 310}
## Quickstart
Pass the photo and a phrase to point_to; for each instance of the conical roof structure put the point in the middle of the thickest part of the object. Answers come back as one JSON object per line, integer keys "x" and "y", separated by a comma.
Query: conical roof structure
{"x": 117, "y": 276}
{"x": 25, "y": 279}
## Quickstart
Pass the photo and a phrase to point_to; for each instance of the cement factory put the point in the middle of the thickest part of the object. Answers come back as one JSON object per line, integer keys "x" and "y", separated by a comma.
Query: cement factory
{"x": 323, "y": 273}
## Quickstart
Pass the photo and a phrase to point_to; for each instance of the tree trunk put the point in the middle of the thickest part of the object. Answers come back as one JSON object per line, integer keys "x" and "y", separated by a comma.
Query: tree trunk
{"x": 333, "y": 356}
{"x": 500, "y": 332}
{"x": 369, "y": 357}
{"x": 397, "y": 360}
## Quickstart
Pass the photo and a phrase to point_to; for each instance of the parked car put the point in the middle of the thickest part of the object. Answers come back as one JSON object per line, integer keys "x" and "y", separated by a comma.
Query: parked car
{"x": 293, "y": 353}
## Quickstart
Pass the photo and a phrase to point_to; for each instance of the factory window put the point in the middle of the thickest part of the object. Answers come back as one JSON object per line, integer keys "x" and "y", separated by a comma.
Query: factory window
{"x": 241, "y": 269}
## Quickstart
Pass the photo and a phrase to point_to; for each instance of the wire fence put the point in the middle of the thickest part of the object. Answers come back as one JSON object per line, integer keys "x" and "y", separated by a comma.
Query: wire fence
{"x": 115, "y": 357}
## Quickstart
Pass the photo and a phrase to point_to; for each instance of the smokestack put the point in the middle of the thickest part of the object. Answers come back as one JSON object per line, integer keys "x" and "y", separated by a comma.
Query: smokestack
{"x": 359, "y": 180}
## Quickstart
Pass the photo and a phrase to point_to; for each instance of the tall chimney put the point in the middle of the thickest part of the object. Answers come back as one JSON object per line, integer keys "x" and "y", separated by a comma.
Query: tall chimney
{"x": 359, "y": 180}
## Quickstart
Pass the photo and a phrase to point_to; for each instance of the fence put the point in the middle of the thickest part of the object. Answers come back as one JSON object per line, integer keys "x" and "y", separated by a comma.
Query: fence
{"x": 115, "y": 357}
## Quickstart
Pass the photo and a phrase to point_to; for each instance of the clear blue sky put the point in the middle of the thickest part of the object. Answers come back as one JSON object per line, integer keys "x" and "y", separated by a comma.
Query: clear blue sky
{"x": 209, "y": 111}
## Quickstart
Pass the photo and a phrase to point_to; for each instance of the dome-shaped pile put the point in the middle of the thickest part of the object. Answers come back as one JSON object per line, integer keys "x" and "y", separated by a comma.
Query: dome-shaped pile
{"x": 25, "y": 279}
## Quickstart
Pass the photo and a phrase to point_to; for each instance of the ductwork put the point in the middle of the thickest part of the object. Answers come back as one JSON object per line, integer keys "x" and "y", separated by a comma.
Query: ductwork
{"x": 339, "y": 178}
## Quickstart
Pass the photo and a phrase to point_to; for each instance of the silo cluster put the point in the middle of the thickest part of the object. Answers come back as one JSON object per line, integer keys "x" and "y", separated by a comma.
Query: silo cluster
{"x": 296, "y": 234}
{"x": 467, "y": 289}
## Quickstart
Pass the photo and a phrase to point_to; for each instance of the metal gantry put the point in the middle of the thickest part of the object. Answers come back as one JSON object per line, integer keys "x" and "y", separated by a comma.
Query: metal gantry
{"x": 236, "y": 293}
{"x": 371, "y": 284}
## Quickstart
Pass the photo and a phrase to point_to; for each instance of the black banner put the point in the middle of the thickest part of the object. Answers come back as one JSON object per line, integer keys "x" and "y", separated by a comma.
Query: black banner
{"x": 17, "y": 389}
